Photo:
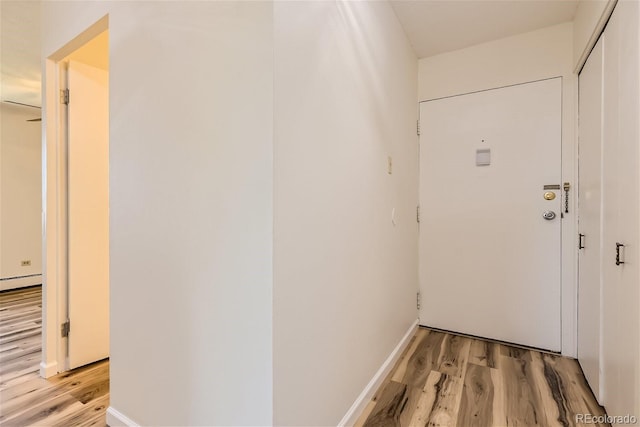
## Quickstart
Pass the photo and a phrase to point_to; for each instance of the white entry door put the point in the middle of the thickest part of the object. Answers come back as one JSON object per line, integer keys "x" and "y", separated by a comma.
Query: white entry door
{"x": 489, "y": 259}
{"x": 88, "y": 214}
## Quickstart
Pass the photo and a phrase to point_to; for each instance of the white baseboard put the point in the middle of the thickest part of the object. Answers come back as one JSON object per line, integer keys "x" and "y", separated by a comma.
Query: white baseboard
{"x": 116, "y": 418}
{"x": 362, "y": 401}
{"x": 20, "y": 282}
{"x": 48, "y": 369}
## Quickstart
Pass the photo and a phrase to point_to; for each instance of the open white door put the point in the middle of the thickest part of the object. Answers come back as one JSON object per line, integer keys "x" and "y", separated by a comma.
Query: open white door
{"x": 88, "y": 210}
{"x": 489, "y": 258}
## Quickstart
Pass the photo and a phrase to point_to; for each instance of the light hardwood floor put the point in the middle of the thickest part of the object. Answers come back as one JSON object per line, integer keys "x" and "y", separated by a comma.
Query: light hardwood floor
{"x": 441, "y": 380}
{"x": 75, "y": 398}
{"x": 450, "y": 380}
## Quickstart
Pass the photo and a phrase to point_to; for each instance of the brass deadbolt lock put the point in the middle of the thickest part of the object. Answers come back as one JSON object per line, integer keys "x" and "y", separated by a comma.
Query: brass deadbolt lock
{"x": 549, "y": 195}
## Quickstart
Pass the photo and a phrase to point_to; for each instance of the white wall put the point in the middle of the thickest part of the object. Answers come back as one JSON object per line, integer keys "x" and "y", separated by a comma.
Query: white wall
{"x": 522, "y": 58}
{"x": 196, "y": 122}
{"x": 94, "y": 53}
{"x": 525, "y": 57}
{"x": 191, "y": 186}
{"x": 345, "y": 278}
{"x": 20, "y": 196}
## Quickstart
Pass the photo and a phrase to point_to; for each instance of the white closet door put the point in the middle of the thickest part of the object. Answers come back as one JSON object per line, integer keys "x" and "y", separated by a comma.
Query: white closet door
{"x": 590, "y": 203}
{"x": 621, "y": 215}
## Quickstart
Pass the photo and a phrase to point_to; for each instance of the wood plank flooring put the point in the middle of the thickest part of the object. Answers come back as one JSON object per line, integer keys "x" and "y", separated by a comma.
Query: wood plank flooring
{"x": 451, "y": 380}
{"x": 441, "y": 380}
{"x": 75, "y": 398}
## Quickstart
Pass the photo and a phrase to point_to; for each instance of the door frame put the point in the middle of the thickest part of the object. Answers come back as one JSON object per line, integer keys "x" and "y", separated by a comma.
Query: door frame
{"x": 54, "y": 203}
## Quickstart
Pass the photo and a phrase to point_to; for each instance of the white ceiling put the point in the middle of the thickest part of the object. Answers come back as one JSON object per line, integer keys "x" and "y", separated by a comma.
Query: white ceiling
{"x": 432, "y": 26}
{"x": 437, "y": 26}
{"x": 20, "y": 51}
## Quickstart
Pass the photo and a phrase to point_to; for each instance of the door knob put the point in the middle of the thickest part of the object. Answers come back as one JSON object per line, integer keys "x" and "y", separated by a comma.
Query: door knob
{"x": 548, "y": 215}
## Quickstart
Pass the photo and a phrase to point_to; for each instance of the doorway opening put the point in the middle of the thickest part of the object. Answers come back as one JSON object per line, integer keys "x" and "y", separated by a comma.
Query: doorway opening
{"x": 75, "y": 322}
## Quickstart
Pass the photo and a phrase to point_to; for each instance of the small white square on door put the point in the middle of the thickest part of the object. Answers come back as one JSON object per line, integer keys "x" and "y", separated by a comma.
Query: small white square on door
{"x": 483, "y": 157}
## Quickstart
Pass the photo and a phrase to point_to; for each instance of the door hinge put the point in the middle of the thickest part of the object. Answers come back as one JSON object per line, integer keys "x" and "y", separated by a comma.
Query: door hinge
{"x": 418, "y": 127}
{"x": 64, "y": 96}
{"x": 418, "y": 300}
{"x": 65, "y": 328}
{"x": 418, "y": 213}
